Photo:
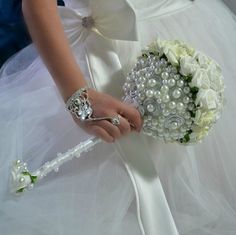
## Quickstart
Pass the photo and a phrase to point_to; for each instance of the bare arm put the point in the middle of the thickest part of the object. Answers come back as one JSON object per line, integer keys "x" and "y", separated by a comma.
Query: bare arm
{"x": 47, "y": 32}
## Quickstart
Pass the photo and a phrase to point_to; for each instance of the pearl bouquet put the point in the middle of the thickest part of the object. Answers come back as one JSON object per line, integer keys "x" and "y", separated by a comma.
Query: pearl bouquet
{"x": 179, "y": 91}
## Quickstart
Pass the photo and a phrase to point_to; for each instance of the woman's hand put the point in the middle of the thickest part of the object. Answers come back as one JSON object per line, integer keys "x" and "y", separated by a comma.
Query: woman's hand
{"x": 104, "y": 105}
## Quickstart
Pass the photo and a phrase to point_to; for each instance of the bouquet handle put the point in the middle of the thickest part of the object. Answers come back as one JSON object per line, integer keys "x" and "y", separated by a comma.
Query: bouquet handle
{"x": 22, "y": 179}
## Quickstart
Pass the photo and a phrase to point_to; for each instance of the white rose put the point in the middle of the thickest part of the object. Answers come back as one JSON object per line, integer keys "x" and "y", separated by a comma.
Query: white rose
{"x": 202, "y": 59}
{"x": 198, "y": 116}
{"x": 171, "y": 56}
{"x": 200, "y": 79}
{"x": 216, "y": 80}
{"x": 208, "y": 98}
{"x": 188, "y": 65}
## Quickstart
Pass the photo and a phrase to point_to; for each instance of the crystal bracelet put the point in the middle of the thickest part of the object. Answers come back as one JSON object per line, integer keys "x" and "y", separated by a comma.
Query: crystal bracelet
{"x": 79, "y": 105}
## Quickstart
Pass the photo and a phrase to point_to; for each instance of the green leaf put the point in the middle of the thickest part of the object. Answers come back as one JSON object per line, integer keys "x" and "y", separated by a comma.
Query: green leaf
{"x": 33, "y": 179}
{"x": 188, "y": 78}
{"x": 20, "y": 190}
{"x": 193, "y": 114}
{"x": 194, "y": 90}
{"x": 144, "y": 55}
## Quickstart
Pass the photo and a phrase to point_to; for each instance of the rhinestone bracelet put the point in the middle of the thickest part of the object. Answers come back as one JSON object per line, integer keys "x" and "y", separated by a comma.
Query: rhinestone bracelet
{"x": 79, "y": 105}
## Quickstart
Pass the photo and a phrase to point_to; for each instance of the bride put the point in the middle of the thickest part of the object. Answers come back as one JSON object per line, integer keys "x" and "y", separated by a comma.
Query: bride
{"x": 118, "y": 187}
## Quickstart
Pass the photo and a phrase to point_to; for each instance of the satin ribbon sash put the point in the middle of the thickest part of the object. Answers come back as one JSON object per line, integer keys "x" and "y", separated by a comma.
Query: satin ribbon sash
{"x": 105, "y": 23}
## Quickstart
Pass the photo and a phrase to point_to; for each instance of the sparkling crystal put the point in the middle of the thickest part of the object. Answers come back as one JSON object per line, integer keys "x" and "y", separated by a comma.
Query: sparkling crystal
{"x": 174, "y": 125}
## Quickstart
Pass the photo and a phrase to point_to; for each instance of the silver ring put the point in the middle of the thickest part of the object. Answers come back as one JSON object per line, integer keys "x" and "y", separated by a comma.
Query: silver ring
{"x": 114, "y": 120}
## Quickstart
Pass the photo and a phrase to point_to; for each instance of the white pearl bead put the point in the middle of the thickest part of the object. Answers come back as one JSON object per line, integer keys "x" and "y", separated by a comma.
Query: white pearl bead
{"x": 187, "y": 115}
{"x": 189, "y": 122}
{"x": 158, "y": 70}
{"x": 161, "y": 119}
{"x": 18, "y": 161}
{"x": 163, "y": 106}
{"x": 149, "y": 93}
{"x": 141, "y": 79}
{"x": 186, "y": 90}
{"x": 180, "y": 106}
{"x": 141, "y": 96}
{"x": 180, "y": 83}
{"x": 140, "y": 86}
{"x": 164, "y": 89}
{"x": 186, "y": 99}
{"x": 171, "y": 82}
{"x": 166, "y": 112}
{"x": 157, "y": 94}
{"x": 166, "y": 98}
{"x": 165, "y": 75}
{"x": 154, "y": 122}
{"x": 177, "y": 93}
{"x": 150, "y": 108}
{"x": 165, "y": 82}
{"x": 172, "y": 105}
{"x": 148, "y": 75}
{"x": 176, "y": 77}
{"x": 159, "y": 101}
{"x": 22, "y": 179}
{"x": 174, "y": 125}
{"x": 152, "y": 83}
{"x": 191, "y": 106}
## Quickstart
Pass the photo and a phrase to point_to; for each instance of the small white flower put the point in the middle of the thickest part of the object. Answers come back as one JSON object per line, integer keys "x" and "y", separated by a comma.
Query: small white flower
{"x": 201, "y": 79}
{"x": 216, "y": 80}
{"x": 188, "y": 65}
{"x": 171, "y": 56}
{"x": 207, "y": 98}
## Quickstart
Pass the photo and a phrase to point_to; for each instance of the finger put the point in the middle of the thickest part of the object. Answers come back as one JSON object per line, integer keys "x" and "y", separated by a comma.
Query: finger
{"x": 124, "y": 126}
{"x": 132, "y": 115}
{"x": 101, "y": 133}
{"x": 111, "y": 129}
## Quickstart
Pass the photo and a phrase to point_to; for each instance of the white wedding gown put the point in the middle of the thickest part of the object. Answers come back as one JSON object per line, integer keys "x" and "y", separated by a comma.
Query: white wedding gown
{"x": 118, "y": 189}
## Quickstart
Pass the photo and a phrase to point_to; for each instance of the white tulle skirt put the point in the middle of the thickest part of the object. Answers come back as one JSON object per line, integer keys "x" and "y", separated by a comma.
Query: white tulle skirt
{"x": 94, "y": 194}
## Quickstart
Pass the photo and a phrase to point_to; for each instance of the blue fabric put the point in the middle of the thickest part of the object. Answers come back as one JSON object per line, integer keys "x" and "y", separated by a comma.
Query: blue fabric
{"x": 13, "y": 32}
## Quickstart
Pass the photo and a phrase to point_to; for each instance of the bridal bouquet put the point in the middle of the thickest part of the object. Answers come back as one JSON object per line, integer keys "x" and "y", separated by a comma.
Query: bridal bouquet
{"x": 178, "y": 90}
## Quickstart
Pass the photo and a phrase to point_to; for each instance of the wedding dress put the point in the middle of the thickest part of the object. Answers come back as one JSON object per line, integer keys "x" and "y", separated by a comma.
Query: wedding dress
{"x": 119, "y": 188}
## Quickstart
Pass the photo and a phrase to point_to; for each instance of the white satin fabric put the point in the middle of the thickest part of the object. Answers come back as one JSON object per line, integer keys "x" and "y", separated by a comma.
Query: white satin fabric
{"x": 116, "y": 189}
